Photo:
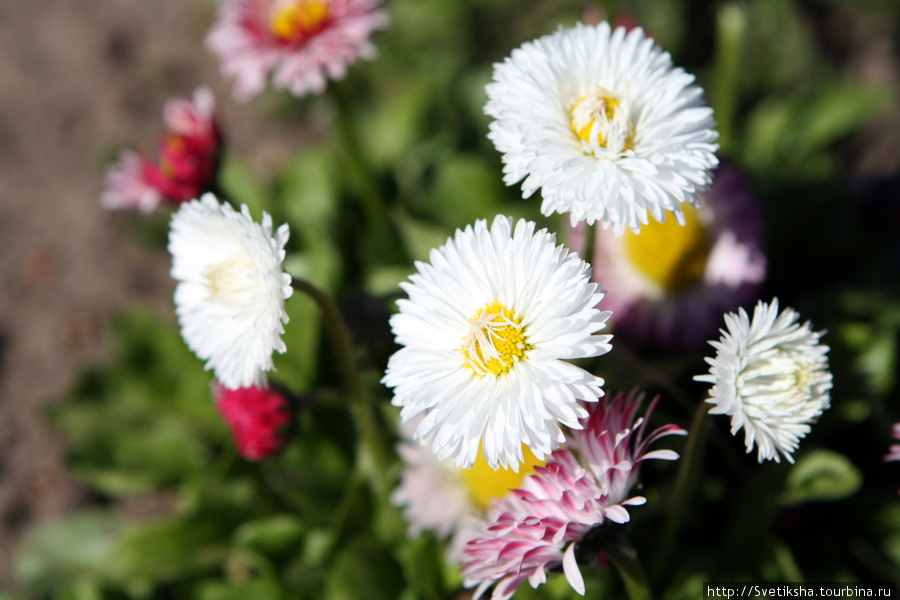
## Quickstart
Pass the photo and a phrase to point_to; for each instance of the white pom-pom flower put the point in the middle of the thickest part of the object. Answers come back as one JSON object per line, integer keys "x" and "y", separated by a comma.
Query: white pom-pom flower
{"x": 602, "y": 123}
{"x": 231, "y": 288}
{"x": 487, "y": 332}
{"x": 770, "y": 375}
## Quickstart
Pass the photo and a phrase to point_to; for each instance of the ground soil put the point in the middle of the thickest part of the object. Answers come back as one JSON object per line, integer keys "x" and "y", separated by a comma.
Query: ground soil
{"x": 77, "y": 81}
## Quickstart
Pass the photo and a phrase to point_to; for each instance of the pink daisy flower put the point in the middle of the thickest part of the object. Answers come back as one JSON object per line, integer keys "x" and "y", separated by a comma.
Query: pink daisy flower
{"x": 895, "y": 448}
{"x": 894, "y": 453}
{"x": 670, "y": 284}
{"x": 188, "y": 159}
{"x": 257, "y": 417}
{"x": 535, "y": 527}
{"x": 302, "y": 43}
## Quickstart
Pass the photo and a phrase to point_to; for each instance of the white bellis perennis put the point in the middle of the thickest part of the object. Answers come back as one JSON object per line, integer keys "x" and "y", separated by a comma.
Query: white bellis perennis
{"x": 231, "y": 288}
{"x": 601, "y": 122}
{"x": 770, "y": 375}
{"x": 486, "y": 333}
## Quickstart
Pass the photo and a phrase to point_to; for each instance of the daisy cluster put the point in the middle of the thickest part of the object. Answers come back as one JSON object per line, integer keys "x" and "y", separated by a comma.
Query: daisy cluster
{"x": 510, "y": 444}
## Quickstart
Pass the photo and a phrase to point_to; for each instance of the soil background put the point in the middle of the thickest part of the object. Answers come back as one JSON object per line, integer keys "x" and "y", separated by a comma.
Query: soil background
{"x": 80, "y": 79}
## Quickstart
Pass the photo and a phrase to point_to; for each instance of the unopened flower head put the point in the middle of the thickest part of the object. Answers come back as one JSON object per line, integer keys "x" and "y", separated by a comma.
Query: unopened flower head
{"x": 231, "y": 288}
{"x": 487, "y": 332}
{"x": 670, "y": 284}
{"x": 770, "y": 375}
{"x": 188, "y": 158}
{"x": 301, "y": 43}
{"x": 257, "y": 416}
{"x": 602, "y": 123}
{"x": 588, "y": 482}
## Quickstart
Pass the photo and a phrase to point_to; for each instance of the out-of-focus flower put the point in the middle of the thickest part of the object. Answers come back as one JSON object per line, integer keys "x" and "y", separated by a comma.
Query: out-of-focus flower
{"x": 301, "y": 43}
{"x": 231, "y": 288}
{"x": 188, "y": 158}
{"x": 438, "y": 497}
{"x": 603, "y": 124}
{"x": 894, "y": 453}
{"x": 670, "y": 284}
{"x": 536, "y": 527}
{"x": 257, "y": 416}
{"x": 770, "y": 375}
{"x": 486, "y": 333}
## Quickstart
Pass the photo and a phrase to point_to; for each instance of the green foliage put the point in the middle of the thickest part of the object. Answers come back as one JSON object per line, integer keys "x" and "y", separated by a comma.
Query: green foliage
{"x": 400, "y": 160}
{"x": 821, "y": 475}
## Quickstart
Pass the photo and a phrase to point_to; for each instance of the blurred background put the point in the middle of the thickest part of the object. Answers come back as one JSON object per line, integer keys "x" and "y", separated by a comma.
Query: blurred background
{"x": 817, "y": 109}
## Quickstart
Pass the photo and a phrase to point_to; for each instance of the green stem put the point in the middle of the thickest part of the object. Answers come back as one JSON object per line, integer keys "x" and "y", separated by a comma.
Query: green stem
{"x": 624, "y": 557}
{"x": 653, "y": 374}
{"x": 731, "y": 25}
{"x": 684, "y": 486}
{"x": 372, "y": 447}
{"x": 358, "y": 166}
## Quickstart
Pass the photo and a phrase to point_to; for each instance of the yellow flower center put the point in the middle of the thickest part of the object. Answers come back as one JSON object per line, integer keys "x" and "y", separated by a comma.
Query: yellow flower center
{"x": 296, "y": 21}
{"x": 495, "y": 342}
{"x": 671, "y": 255}
{"x": 602, "y": 119}
{"x": 485, "y": 484}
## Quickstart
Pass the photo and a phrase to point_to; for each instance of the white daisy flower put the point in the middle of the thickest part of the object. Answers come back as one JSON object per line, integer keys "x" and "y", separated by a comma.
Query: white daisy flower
{"x": 231, "y": 288}
{"x": 770, "y": 374}
{"x": 601, "y": 121}
{"x": 487, "y": 330}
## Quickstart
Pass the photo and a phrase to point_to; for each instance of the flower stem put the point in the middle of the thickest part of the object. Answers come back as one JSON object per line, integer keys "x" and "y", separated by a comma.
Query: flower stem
{"x": 729, "y": 47}
{"x": 624, "y": 557}
{"x": 358, "y": 166}
{"x": 372, "y": 447}
{"x": 684, "y": 486}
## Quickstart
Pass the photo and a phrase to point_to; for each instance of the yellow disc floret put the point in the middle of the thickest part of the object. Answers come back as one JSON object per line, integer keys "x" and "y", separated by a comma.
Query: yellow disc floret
{"x": 602, "y": 119}
{"x": 298, "y": 20}
{"x": 496, "y": 340}
{"x": 671, "y": 255}
{"x": 485, "y": 484}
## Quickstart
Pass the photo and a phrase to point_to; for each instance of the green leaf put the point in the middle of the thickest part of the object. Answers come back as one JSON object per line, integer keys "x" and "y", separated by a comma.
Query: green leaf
{"x": 821, "y": 475}
{"x": 258, "y": 589}
{"x": 876, "y": 347}
{"x": 81, "y": 589}
{"x": 242, "y": 186}
{"x": 75, "y": 547}
{"x": 468, "y": 188}
{"x": 393, "y": 126}
{"x": 422, "y": 561}
{"x": 309, "y": 193}
{"x": 270, "y": 534}
{"x": 419, "y": 236}
{"x": 145, "y": 458}
{"x": 792, "y": 134}
{"x": 168, "y": 550}
{"x": 363, "y": 570}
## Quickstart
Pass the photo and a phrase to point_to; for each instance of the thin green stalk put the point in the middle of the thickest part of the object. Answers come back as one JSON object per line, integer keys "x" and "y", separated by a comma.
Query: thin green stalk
{"x": 684, "y": 487}
{"x": 625, "y": 559}
{"x": 373, "y": 446}
{"x": 358, "y": 165}
{"x": 731, "y": 26}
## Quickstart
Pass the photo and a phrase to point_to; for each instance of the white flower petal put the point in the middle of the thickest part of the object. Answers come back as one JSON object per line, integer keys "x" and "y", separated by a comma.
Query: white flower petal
{"x": 444, "y": 369}
{"x": 657, "y": 143}
{"x": 231, "y": 288}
